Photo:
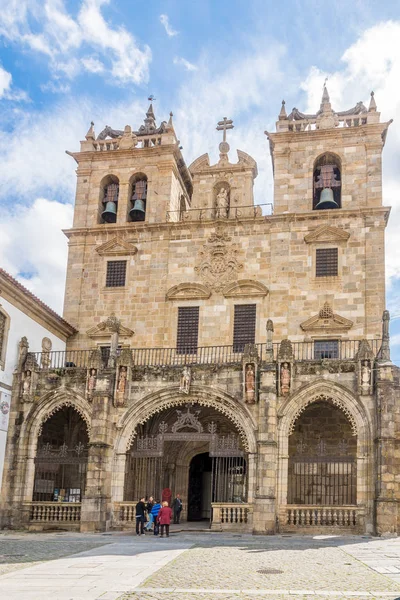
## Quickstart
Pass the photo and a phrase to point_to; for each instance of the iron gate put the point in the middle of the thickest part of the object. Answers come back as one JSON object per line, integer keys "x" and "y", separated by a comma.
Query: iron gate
{"x": 60, "y": 473}
{"x": 322, "y": 480}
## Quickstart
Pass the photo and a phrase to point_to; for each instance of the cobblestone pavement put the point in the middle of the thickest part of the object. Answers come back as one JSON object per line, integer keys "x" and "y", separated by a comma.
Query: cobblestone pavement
{"x": 303, "y": 567}
{"x": 197, "y": 566}
{"x": 18, "y": 551}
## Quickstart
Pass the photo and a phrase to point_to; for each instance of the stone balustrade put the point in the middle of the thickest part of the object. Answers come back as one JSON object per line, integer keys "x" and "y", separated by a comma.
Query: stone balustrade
{"x": 232, "y": 517}
{"x": 65, "y": 513}
{"x": 298, "y": 517}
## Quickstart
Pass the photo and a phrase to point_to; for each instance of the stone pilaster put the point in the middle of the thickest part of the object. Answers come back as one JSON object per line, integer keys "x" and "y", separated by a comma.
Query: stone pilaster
{"x": 96, "y": 503}
{"x": 387, "y": 455}
{"x": 264, "y": 515}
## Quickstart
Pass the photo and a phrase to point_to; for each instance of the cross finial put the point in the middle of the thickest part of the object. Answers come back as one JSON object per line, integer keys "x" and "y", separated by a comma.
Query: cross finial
{"x": 224, "y": 125}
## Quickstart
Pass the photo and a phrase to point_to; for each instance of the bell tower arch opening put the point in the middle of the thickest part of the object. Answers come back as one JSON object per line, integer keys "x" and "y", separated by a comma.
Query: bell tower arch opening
{"x": 327, "y": 182}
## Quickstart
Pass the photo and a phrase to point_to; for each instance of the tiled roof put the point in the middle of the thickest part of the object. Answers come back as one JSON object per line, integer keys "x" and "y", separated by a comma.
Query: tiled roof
{"x": 24, "y": 290}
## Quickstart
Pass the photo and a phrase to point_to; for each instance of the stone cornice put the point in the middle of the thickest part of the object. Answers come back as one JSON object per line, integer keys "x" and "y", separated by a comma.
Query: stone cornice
{"x": 15, "y": 293}
{"x": 329, "y": 134}
{"x": 136, "y": 228}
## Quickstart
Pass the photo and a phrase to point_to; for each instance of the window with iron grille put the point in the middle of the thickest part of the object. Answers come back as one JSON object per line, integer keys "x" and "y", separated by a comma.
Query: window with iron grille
{"x": 188, "y": 330}
{"x": 326, "y": 349}
{"x": 116, "y": 273}
{"x": 244, "y": 326}
{"x": 326, "y": 262}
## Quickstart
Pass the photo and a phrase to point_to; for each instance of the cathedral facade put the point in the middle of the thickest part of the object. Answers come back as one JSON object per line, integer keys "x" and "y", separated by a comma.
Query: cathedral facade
{"x": 237, "y": 354}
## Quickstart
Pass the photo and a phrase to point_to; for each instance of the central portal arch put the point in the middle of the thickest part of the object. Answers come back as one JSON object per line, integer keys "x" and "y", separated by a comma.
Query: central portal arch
{"x": 191, "y": 450}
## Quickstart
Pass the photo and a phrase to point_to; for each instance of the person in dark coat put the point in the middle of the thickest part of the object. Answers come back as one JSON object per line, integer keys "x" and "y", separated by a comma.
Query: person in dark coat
{"x": 140, "y": 510}
{"x": 149, "y": 507}
{"x": 164, "y": 518}
{"x": 177, "y": 508}
{"x": 154, "y": 511}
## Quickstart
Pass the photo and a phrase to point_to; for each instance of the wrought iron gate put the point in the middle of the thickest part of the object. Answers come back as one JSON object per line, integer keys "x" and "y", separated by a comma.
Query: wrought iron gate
{"x": 322, "y": 480}
{"x": 60, "y": 473}
{"x": 229, "y": 479}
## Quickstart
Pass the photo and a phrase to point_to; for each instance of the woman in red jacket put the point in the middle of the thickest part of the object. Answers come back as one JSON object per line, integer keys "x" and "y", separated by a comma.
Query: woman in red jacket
{"x": 164, "y": 518}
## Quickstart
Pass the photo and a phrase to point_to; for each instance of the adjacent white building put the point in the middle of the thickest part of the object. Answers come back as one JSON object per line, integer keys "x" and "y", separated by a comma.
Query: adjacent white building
{"x": 22, "y": 314}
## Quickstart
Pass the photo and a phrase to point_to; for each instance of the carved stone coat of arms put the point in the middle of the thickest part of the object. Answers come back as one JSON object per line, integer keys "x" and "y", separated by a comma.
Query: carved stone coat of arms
{"x": 218, "y": 262}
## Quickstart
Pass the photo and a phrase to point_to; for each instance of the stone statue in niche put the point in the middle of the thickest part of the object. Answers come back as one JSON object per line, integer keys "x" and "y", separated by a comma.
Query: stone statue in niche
{"x": 91, "y": 384}
{"x": 186, "y": 379}
{"x": 122, "y": 380}
{"x": 285, "y": 378}
{"x": 365, "y": 376}
{"x": 222, "y": 202}
{"x": 250, "y": 383}
{"x": 27, "y": 384}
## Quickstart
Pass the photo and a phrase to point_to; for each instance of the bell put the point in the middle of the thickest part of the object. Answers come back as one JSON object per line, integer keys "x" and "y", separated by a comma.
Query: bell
{"x": 109, "y": 215}
{"x": 138, "y": 213}
{"x": 326, "y": 200}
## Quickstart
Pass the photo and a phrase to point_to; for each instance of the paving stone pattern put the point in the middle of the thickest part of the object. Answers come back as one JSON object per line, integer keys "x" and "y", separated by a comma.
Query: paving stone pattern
{"x": 18, "y": 552}
{"x": 306, "y": 564}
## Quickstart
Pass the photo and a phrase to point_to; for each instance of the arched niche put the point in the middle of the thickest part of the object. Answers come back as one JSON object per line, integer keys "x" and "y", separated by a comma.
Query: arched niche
{"x": 108, "y": 199}
{"x": 138, "y": 191}
{"x": 327, "y": 182}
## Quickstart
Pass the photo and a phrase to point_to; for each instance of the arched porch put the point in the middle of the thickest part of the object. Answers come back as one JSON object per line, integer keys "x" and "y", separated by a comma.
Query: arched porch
{"x": 155, "y": 456}
{"x": 325, "y": 461}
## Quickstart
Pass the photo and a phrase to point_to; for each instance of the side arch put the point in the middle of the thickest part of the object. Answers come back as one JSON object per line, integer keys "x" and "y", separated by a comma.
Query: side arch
{"x": 360, "y": 420}
{"x": 331, "y": 392}
{"x": 48, "y": 405}
{"x": 158, "y": 401}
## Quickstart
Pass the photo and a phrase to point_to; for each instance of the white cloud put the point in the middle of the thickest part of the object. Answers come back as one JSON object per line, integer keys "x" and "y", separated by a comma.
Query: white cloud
{"x": 164, "y": 19}
{"x": 5, "y": 81}
{"x": 371, "y": 63}
{"x": 60, "y": 37}
{"x": 178, "y": 60}
{"x": 93, "y": 65}
{"x": 31, "y": 241}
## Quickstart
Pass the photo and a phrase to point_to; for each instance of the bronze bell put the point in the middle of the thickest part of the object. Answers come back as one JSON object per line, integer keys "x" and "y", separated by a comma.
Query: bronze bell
{"x": 138, "y": 212}
{"x": 326, "y": 200}
{"x": 109, "y": 215}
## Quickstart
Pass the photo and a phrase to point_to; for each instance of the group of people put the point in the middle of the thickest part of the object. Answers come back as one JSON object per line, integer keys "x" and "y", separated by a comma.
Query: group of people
{"x": 152, "y": 515}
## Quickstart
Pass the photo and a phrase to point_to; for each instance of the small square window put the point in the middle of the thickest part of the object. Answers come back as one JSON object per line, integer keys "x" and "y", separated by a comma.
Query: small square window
{"x": 116, "y": 273}
{"x": 326, "y": 349}
{"x": 326, "y": 262}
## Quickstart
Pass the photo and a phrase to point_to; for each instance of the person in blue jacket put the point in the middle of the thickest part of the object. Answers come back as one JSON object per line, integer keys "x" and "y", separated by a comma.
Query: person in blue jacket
{"x": 154, "y": 512}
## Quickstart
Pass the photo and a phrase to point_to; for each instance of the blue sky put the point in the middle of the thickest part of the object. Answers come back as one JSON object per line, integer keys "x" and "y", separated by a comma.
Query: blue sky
{"x": 64, "y": 63}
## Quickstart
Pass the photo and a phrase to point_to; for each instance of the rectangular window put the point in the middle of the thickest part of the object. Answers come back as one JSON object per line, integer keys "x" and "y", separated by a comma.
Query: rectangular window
{"x": 116, "y": 273}
{"x": 326, "y": 261}
{"x": 244, "y": 326}
{"x": 326, "y": 349}
{"x": 188, "y": 330}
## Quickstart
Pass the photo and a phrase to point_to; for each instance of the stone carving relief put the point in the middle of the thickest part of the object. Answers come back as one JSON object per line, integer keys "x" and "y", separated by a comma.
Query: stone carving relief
{"x": 187, "y": 419}
{"x": 222, "y": 202}
{"x": 250, "y": 383}
{"x": 285, "y": 367}
{"x": 285, "y": 378}
{"x": 218, "y": 261}
{"x": 327, "y": 320}
{"x": 250, "y": 365}
{"x": 365, "y": 362}
{"x": 46, "y": 349}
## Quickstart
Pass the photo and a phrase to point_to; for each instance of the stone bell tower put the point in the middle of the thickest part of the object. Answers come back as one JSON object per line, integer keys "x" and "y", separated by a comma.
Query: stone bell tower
{"x": 127, "y": 182}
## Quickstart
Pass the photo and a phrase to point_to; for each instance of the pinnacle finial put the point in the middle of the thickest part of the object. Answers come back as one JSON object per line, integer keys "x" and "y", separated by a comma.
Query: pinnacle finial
{"x": 282, "y": 114}
{"x": 372, "y": 103}
{"x": 171, "y": 114}
{"x": 90, "y": 134}
{"x": 325, "y": 94}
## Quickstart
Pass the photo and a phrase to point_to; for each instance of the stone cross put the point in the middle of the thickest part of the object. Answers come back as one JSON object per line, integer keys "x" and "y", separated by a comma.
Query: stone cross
{"x": 224, "y": 125}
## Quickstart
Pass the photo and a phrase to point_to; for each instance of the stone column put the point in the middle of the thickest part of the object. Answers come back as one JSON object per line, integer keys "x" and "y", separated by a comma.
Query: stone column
{"x": 96, "y": 512}
{"x": 264, "y": 499}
